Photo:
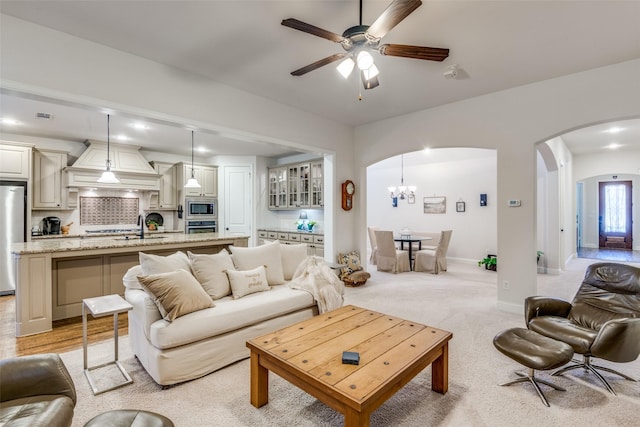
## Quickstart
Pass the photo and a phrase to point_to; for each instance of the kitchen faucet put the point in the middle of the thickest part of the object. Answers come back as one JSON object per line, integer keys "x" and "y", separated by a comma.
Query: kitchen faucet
{"x": 141, "y": 224}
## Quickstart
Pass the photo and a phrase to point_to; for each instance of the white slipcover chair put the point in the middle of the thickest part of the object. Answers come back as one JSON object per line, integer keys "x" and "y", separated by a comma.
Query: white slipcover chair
{"x": 390, "y": 258}
{"x": 434, "y": 260}
{"x": 373, "y": 259}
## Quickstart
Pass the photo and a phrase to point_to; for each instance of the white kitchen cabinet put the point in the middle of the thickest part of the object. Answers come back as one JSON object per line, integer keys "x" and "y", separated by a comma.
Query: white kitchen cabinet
{"x": 15, "y": 161}
{"x": 313, "y": 241}
{"x": 296, "y": 186}
{"x": 167, "y": 197}
{"x": 278, "y": 196}
{"x": 47, "y": 179}
{"x": 207, "y": 177}
{"x": 317, "y": 185}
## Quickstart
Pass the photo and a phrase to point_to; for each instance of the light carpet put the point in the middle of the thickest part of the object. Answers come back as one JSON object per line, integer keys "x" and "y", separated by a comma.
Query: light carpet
{"x": 463, "y": 301}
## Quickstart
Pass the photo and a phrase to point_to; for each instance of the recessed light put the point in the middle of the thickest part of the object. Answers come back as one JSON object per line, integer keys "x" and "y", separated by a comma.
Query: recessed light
{"x": 613, "y": 146}
{"x": 140, "y": 126}
{"x": 10, "y": 121}
{"x": 201, "y": 150}
{"x": 614, "y": 130}
{"x": 121, "y": 137}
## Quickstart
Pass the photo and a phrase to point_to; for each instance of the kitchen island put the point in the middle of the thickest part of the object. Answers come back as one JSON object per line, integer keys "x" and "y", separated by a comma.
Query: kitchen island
{"x": 53, "y": 276}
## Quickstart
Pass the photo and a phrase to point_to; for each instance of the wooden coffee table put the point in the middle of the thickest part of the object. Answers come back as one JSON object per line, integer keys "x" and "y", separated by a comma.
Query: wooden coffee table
{"x": 309, "y": 355}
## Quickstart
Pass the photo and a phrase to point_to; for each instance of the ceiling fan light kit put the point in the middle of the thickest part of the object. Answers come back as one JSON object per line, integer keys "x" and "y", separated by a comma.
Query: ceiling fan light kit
{"x": 360, "y": 40}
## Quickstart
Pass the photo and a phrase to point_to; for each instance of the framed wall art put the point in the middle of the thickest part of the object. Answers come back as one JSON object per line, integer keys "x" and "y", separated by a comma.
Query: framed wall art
{"x": 411, "y": 199}
{"x": 435, "y": 205}
{"x": 459, "y": 206}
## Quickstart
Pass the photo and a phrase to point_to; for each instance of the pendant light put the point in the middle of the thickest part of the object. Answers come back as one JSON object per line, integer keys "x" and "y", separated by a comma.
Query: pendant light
{"x": 192, "y": 182}
{"x": 107, "y": 176}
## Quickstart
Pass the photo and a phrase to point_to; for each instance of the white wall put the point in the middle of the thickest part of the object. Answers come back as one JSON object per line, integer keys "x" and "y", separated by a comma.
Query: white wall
{"x": 459, "y": 174}
{"x": 512, "y": 122}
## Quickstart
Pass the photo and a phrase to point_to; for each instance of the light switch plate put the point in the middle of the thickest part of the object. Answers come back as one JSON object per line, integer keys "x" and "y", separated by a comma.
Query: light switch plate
{"x": 513, "y": 203}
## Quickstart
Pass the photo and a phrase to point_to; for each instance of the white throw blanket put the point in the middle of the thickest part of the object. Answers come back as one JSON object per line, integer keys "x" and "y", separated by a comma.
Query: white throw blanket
{"x": 316, "y": 277}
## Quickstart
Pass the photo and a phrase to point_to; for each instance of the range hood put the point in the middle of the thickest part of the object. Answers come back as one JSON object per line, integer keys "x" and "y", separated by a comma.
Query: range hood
{"x": 128, "y": 164}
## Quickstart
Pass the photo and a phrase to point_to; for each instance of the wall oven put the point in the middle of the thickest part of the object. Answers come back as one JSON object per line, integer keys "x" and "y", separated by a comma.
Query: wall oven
{"x": 201, "y": 208}
{"x": 193, "y": 227}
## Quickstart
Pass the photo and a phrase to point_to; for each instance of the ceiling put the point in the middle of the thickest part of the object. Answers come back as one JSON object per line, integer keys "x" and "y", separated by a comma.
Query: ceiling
{"x": 496, "y": 44}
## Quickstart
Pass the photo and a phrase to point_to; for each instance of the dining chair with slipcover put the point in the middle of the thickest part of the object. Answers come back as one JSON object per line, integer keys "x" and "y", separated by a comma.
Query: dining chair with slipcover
{"x": 373, "y": 259}
{"x": 434, "y": 260}
{"x": 390, "y": 258}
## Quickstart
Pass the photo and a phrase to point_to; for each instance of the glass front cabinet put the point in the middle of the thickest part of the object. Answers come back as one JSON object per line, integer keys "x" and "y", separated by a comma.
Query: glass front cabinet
{"x": 296, "y": 186}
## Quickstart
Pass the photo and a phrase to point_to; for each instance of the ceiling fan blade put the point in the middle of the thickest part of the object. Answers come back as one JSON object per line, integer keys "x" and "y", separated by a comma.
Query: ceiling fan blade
{"x": 392, "y": 15}
{"x": 371, "y": 83}
{"x": 312, "y": 29}
{"x": 318, "y": 64}
{"x": 417, "y": 52}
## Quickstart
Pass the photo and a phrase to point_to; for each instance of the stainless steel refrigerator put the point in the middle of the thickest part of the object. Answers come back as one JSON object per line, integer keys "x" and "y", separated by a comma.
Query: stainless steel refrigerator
{"x": 13, "y": 220}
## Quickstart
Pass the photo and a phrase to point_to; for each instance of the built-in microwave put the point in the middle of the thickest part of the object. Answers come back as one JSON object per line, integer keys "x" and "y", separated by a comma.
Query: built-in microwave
{"x": 201, "y": 208}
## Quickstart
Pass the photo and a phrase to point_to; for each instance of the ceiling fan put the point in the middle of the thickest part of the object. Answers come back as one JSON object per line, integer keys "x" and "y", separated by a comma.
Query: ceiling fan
{"x": 359, "y": 40}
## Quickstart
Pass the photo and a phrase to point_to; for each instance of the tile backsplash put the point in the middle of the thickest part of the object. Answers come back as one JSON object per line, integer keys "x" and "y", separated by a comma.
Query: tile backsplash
{"x": 93, "y": 216}
{"x": 108, "y": 210}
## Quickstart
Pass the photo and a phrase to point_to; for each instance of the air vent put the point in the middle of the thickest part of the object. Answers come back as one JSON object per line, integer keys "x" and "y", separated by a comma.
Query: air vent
{"x": 45, "y": 116}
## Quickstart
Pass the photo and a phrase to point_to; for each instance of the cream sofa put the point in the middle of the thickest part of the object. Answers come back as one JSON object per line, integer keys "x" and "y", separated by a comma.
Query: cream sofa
{"x": 209, "y": 338}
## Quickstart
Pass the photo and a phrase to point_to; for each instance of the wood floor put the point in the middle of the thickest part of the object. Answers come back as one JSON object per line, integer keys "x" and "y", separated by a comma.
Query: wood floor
{"x": 66, "y": 334}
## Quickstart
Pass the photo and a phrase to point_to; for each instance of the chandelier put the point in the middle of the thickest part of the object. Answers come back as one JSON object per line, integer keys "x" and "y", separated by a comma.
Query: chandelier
{"x": 403, "y": 190}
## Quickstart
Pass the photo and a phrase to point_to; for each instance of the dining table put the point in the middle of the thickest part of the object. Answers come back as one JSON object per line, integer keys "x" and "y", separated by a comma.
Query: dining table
{"x": 407, "y": 238}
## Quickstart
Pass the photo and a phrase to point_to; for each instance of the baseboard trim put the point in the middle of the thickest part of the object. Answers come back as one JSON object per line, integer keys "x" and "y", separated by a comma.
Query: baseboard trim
{"x": 510, "y": 307}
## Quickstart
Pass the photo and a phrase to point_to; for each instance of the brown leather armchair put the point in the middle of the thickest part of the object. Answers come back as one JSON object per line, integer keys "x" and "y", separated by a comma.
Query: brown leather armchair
{"x": 602, "y": 321}
{"x": 36, "y": 391}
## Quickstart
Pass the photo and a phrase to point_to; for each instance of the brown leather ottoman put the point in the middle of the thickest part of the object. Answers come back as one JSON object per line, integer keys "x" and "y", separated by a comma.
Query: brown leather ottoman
{"x": 534, "y": 351}
{"x": 128, "y": 418}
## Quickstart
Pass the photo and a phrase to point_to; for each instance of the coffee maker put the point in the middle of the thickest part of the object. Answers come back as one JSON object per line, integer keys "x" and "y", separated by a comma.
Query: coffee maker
{"x": 51, "y": 225}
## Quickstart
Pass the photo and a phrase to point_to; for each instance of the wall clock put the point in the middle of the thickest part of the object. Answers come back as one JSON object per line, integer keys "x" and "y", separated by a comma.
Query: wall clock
{"x": 348, "y": 188}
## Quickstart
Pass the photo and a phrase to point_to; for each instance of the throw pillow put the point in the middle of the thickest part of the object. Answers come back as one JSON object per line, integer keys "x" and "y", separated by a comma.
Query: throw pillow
{"x": 247, "y": 282}
{"x": 175, "y": 293}
{"x": 268, "y": 255}
{"x": 210, "y": 272}
{"x": 154, "y": 264}
{"x": 352, "y": 263}
{"x": 292, "y": 257}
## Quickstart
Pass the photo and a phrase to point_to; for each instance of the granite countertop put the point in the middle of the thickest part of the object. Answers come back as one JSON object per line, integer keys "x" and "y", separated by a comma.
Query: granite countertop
{"x": 89, "y": 243}
{"x": 100, "y": 234}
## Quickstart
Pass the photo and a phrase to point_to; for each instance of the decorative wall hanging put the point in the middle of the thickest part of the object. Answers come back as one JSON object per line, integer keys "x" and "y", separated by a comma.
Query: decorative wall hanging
{"x": 435, "y": 205}
{"x": 459, "y": 206}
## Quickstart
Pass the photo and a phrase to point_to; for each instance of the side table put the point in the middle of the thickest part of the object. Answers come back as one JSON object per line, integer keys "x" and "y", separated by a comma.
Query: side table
{"x": 99, "y": 307}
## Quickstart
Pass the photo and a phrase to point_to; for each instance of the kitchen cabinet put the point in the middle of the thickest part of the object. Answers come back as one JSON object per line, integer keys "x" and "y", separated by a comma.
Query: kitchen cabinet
{"x": 47, "y": 180}
{"x": 314, "y": 242}
{"x": 278, "y": 197}
{"x": 15, "y": 161}
{"x": 317, "y": 184}
{"x": 296, "y": 186}
{"x": 207, "y": 177}
{"x": 299, "y": 179}
{"x": 166, "y": 198}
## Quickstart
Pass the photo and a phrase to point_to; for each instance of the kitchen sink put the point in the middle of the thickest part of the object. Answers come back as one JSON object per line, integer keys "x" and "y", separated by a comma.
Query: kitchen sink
{"x": 138, "y": 238}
